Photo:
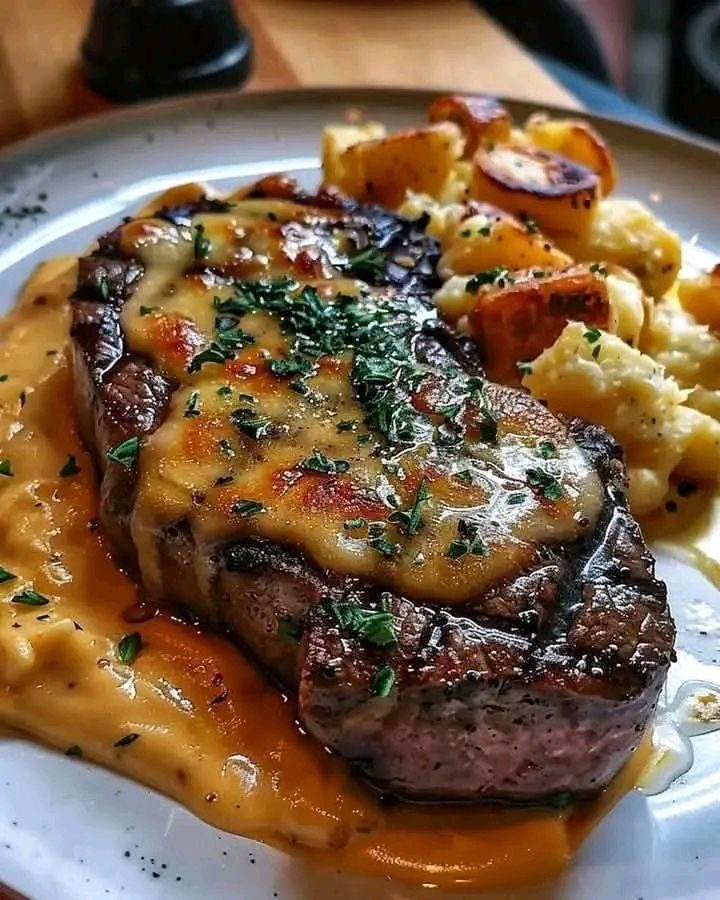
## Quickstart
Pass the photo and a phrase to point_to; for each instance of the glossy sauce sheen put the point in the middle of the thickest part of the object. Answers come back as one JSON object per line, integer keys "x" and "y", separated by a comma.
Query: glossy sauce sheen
{"x": 212, "y": 733}
{"x": 198, "y": 464}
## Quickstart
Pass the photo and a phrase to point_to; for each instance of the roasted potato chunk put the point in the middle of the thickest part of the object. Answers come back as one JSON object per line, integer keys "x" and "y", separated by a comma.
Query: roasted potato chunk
{"x": 701, "y": 298}
{"x": 578, "y": 141}
{"x": 554, "y": 191}
{"x": 517, "y": 315}
{"x": 482, "y": 120}
{"x": 627, "y": 233}
{"x": 336, "y": 140}
{"x": 382, "y": 171}
{"x": 490, "y": 237}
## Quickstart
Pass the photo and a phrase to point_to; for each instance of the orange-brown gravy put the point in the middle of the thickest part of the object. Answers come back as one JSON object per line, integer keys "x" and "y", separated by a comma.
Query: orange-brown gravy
{"x": 190, "y": 715}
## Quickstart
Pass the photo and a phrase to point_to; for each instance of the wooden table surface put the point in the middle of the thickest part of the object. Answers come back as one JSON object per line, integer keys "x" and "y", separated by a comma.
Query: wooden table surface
{"x": 419, "y": 43}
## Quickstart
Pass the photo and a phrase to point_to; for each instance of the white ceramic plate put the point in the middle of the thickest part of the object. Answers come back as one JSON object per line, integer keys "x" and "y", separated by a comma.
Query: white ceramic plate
{"x": 72, "y": 831}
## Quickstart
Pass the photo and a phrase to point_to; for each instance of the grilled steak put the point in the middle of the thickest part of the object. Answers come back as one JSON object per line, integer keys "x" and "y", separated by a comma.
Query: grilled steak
{"x": 295, "y": 449}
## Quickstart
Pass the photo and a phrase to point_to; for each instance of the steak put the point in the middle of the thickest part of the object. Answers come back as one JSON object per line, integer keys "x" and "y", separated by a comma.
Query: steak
{"x": 462, "y": 602}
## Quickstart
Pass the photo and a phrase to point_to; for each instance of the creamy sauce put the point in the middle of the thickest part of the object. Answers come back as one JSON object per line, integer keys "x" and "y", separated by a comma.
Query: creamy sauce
{"x": 211, "y": 731}
{"x": 200, "y": 451}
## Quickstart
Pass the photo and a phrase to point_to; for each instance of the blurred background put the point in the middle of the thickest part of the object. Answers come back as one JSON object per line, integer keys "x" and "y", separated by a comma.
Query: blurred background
{"x": 662, "y": 54}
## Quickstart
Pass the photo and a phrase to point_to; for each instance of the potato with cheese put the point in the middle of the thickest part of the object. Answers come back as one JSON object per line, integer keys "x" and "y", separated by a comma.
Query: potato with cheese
{"x": 700, "y": 297}
{"x": 598, "y": 376}
{"x": 626, "y": 232}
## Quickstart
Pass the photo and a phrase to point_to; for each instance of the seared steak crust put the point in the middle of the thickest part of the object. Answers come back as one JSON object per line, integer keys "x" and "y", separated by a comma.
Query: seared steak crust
{"x": 542, "y": 684}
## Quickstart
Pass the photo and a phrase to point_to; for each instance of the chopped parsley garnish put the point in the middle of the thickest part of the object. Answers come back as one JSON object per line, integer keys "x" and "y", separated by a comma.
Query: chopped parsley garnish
{"x": 351, "y": 524}
{"x": 450, "y": 410}
{"x": 599, "y": 269}
{"x": 6, "y": 468}
{"x": 524, "y": 368}
{"x": 127, "y": 739}
{"x": 247, "y": 508}
{"x": 129, "y": 646}
{"x": 226, "y": 447}
{"x": 465, "y": 476}
{"x": 367, "y": 264}
{"x": 500, "y": 276}
{"x": 222, "y": 480}
{"x": 289, "y": 630}
{"x": 320, "y": 463}
{"x": 531, "y": 226}
{"x": 28, "y": 597}
{"x": 346, "y": 425}
{"x": 246, "y": 398}
{"x": 148, "y": 310}
{"x": 74, "y": 750}
{"x": 213, "y": 353}
{"x": 103, "y": 287}
{"x": 376, "y": 627}
{"x": 363, "y": 438}
{"x": 383, "y": 681}
{"x": 384, "y": 546}
{"x": 487, "y": 426}
{"x": 411, "y": 519}
{"x": 224, "y": 391}
{"x": 284, "y": 367}
{"x": 6, "y": 575}
{"x": 70, "y": 468}
{"x": 193, "y": 405}
{"x": 596, "y": 351}
{"x": 251, "y": 423}
{"x": 515, "y": 498}
{"x": 3, "y": 377}
{"x": 547, "y": 450}
{"x": 300, "y": 387}
{"x": 201, "y": 244}
{"x": 125, "y": 453}
{"x": 467, "y": 541}
{"x": 466, "y": 232}
{"x": 545, "y": 483}
{"x": 592, "y": 334}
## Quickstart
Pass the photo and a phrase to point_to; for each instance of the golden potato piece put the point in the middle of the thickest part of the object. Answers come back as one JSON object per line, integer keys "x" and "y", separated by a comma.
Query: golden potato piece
{"x": 627, "y": 233}
{"x": 556, "y": 192}
{"x": 578, "y": 141}
{"x": 517, "y": 314}
{"x": 383, "y": 171}
{"x": 482, "y": 120}
{"x": 490, "y": 237}
{"x": 336, "y": 140}
{"x": 701, "y": 298}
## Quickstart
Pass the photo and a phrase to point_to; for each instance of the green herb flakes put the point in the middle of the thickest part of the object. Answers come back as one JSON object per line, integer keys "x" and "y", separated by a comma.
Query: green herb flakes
{"x": 376, "y": 627}
{"x": 346, "y": 425}
{"x": 247, "y": 508}
{"x": 547, "y": 450}
{"x": 592, "y": 334}
{"x": 29, "y": 597}
{"x": 284, "y": 367}
{"x": 367, "y": 264}
{"x": 6, "y": 468}
{"x": 544, "y": 483}
{"x": 148, "y": 310}
{"x": 128, "y": 647}
{"x": 125, "y": 453}
{"x": 599, "y": 269}
{"x": 499, "y": 276}
{"x": 202, "y": 246}
{"x": 74, "y": 750}
{"x": 6, "y": 575}
{"x": 320, "y": 463}
{"x": 383, "y": 681}
{"x": 410, "y": 520}
{"x": 516, "y": 498}
{"x": 251, "y": 423}
{"x": 3, "y": 377}
{"x": 352, "y": 524}
{"x": 224, "y": 391}
{"x": 524, "y": 368}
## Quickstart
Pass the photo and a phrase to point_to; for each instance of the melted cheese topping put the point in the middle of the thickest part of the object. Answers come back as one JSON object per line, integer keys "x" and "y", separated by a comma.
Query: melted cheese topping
{"x": 202, "y": 467}
{"x": 211, "y": 732}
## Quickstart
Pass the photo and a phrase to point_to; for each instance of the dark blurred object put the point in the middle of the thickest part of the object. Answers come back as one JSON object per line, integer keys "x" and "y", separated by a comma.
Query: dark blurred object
{"x": 136, "y": 49}
{"x": 554, "y": 27}
{"x": 693, "y": 97}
